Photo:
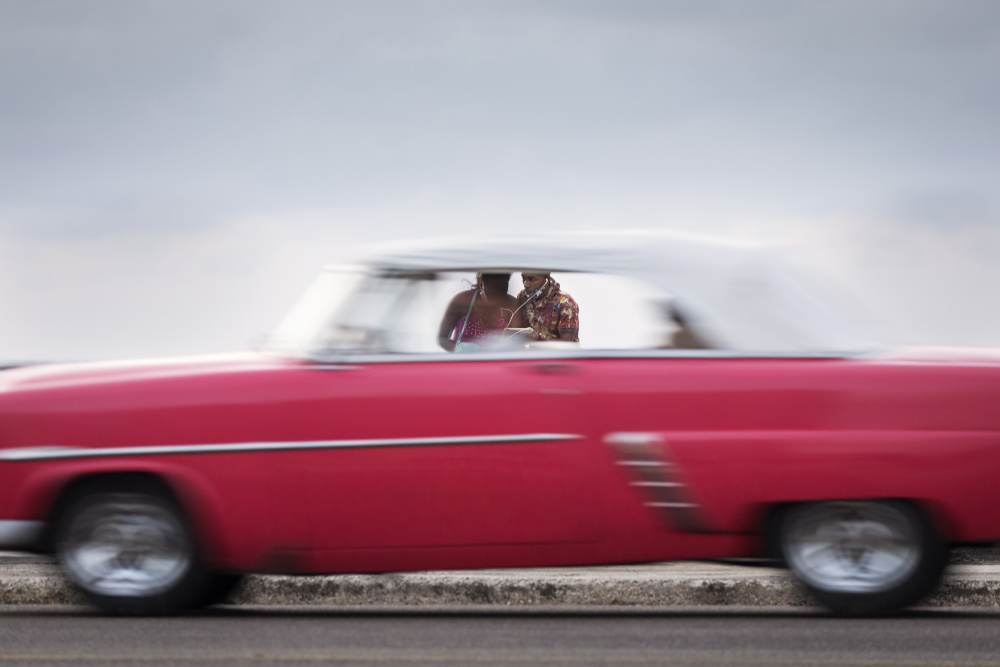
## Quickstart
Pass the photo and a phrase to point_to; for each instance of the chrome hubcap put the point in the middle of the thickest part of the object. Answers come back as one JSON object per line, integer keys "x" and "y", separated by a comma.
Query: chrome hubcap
{"x": 126, "y": 545}
{"x": 859, "y": 547}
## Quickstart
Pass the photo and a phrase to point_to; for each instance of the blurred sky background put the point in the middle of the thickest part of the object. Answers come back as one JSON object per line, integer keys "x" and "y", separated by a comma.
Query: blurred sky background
{"x": 173, "y": 173}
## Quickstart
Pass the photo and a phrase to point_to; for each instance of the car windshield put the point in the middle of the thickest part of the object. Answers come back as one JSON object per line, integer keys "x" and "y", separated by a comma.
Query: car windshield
{"x": 302, "y": 327}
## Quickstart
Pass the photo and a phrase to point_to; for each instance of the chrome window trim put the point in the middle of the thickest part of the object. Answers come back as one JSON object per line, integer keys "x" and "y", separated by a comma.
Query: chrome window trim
{"x": 54, "y": 453}
{"x": 345, "y": 360}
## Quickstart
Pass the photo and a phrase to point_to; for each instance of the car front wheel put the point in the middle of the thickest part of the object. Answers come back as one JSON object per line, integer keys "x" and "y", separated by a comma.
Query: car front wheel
{"x": 863, "y": 558}
{"x": 129, "y": 553}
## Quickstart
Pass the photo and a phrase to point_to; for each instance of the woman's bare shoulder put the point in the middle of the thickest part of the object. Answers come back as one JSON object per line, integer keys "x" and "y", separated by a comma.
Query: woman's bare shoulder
{"x": 463, "y": 297}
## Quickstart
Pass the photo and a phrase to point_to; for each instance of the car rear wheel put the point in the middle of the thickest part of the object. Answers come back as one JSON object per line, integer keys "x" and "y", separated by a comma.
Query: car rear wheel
{"x": 863, "y": 558}
{"x": 130, "y": 552}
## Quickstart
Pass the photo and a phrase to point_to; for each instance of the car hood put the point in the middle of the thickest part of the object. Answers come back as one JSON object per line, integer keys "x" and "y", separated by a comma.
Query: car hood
{"x": 47, "y": 376}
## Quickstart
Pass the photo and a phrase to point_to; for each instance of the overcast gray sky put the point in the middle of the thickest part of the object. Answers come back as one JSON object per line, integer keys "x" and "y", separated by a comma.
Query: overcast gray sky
{"x": 172, "y": 173}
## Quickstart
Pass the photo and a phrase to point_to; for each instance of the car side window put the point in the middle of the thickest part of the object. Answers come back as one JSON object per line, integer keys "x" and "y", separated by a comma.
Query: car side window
{"x": 403, "y": 314}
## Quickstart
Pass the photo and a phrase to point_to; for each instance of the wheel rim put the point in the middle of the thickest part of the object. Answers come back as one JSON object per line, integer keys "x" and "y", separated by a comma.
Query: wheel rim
{"x": 852, "y": 547}
{"x": 126, "y": 546}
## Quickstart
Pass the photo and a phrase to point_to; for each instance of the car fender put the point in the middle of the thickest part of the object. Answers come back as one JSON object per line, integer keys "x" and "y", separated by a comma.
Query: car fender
{"x": 42, "y": 488}
{"x": 732, "y": 479}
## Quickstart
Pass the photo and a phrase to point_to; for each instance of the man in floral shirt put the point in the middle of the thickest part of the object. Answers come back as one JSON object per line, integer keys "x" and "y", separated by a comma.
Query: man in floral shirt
{"x": 551, "y": 313}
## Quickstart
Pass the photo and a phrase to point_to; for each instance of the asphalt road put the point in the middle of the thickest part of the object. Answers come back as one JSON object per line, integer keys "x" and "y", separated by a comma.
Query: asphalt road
{"x": 488, "y": 636}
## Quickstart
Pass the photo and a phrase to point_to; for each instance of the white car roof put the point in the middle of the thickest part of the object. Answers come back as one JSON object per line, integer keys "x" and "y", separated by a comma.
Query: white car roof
{"x": 739, "y": 295}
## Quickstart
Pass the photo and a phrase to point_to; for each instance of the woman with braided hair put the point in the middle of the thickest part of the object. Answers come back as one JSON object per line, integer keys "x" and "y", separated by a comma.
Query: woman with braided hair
{"x": 479, "y": 315}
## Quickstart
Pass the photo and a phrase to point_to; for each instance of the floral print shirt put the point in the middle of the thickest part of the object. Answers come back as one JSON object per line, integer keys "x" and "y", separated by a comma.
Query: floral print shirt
{"x": 550, "y": 312}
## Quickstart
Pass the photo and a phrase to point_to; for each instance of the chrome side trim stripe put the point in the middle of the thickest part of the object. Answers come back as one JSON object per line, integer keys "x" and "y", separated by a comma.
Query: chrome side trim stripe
{"x": 50, "y": 453}
{"x": 16, "y": 534}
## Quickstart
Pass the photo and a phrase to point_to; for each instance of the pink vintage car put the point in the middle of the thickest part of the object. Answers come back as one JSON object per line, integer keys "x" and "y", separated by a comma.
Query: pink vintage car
{"x": 714, "y": 407}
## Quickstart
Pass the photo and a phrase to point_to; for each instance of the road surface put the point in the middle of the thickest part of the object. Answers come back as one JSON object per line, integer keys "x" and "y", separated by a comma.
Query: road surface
{"x": 56, "y": 635}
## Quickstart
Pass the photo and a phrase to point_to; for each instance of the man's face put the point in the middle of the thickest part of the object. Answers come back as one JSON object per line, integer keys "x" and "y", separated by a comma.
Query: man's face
{"x": 533, "y": 281}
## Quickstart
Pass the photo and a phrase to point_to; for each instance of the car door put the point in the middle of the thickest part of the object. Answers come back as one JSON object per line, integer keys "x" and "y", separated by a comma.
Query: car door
{"x": 432, "y": 455}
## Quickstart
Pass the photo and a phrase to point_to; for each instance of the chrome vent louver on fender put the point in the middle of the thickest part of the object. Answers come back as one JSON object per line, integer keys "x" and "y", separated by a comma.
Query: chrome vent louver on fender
{"x": 645, "y": 460}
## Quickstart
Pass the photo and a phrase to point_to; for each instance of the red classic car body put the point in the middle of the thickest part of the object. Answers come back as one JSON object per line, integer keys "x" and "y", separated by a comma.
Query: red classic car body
{"x": 406, "y": 462}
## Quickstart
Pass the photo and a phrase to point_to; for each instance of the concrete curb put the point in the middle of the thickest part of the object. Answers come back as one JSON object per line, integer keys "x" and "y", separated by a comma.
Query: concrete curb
{"x": 443, "y": 589}
{"x": 667, "y": 584}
